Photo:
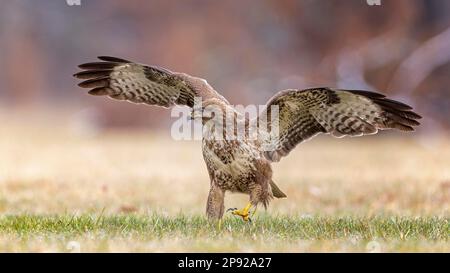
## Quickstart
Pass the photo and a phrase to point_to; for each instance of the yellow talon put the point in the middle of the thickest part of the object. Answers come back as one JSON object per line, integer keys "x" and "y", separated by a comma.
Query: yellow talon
{"x": 244, "y": 213}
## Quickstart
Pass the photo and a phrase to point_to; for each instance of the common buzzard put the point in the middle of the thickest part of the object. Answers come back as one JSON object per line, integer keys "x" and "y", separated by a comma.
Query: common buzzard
{"x": 242, "y": 164}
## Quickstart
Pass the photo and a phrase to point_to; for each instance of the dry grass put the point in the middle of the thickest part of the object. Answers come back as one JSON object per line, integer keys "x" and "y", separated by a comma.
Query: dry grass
{"x": 48, "y": 166}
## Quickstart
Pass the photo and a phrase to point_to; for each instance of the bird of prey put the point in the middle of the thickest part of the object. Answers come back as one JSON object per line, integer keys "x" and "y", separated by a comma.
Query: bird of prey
{"x": 242, "y": 164}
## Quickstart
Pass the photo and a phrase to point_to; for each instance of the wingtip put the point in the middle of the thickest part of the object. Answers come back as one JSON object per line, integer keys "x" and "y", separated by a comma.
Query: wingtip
{"x": 99, "y": 91}
{"x": 112, "y": 59}
{"x": 78, "y": 75}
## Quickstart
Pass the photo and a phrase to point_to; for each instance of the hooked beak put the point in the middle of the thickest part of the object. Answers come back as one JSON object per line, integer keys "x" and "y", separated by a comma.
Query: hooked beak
{"x": 196, "y": 114}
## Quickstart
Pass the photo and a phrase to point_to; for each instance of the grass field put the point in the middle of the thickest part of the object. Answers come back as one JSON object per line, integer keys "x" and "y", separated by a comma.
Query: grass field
{"x": 139, "y": 232}
{"x": 63, "y": 188}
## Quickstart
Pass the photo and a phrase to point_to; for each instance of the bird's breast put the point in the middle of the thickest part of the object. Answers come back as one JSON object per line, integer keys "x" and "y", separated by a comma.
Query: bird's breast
{"x": 234, "y": 159}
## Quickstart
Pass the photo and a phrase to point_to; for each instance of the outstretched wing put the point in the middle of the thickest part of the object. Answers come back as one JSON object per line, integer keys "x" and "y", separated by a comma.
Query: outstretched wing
{"x": 125, "y": 80}
{"x": 303, "y": 114}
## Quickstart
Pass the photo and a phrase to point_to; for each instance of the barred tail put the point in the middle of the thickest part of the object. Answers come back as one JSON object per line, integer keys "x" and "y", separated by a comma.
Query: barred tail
{"x": 276, "y": 191}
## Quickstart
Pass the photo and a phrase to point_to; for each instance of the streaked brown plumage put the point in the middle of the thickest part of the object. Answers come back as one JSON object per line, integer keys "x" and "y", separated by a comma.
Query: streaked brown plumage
{"x": 242, "y": 165}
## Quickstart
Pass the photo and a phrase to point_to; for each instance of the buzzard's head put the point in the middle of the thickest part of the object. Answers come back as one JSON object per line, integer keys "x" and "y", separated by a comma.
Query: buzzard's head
{"x": 212, "y": 109}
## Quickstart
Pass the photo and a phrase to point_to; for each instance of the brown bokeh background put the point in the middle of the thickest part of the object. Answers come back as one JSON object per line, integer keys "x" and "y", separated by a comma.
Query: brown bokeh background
{"x": 66, "y": 153}
{"x": 247, "y": 50}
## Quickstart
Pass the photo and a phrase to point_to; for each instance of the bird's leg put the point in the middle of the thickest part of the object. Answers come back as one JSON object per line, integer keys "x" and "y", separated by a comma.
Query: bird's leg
{"x": 244, "y": 213}
{"x": 215, "y": 205}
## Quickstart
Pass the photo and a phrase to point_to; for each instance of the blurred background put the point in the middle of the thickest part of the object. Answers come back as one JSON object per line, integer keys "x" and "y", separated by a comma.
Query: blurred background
{"x": 64, "y": 151}
{"x": 247, "y": 50}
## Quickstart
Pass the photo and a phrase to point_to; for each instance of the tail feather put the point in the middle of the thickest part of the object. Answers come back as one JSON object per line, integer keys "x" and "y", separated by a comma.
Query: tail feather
{"x": 276, "y": 191}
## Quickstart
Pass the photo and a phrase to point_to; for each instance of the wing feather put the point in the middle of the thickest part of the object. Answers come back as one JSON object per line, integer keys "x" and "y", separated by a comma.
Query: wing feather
{"x": 306, "y": 113}
{"x": 125, "y": 80}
